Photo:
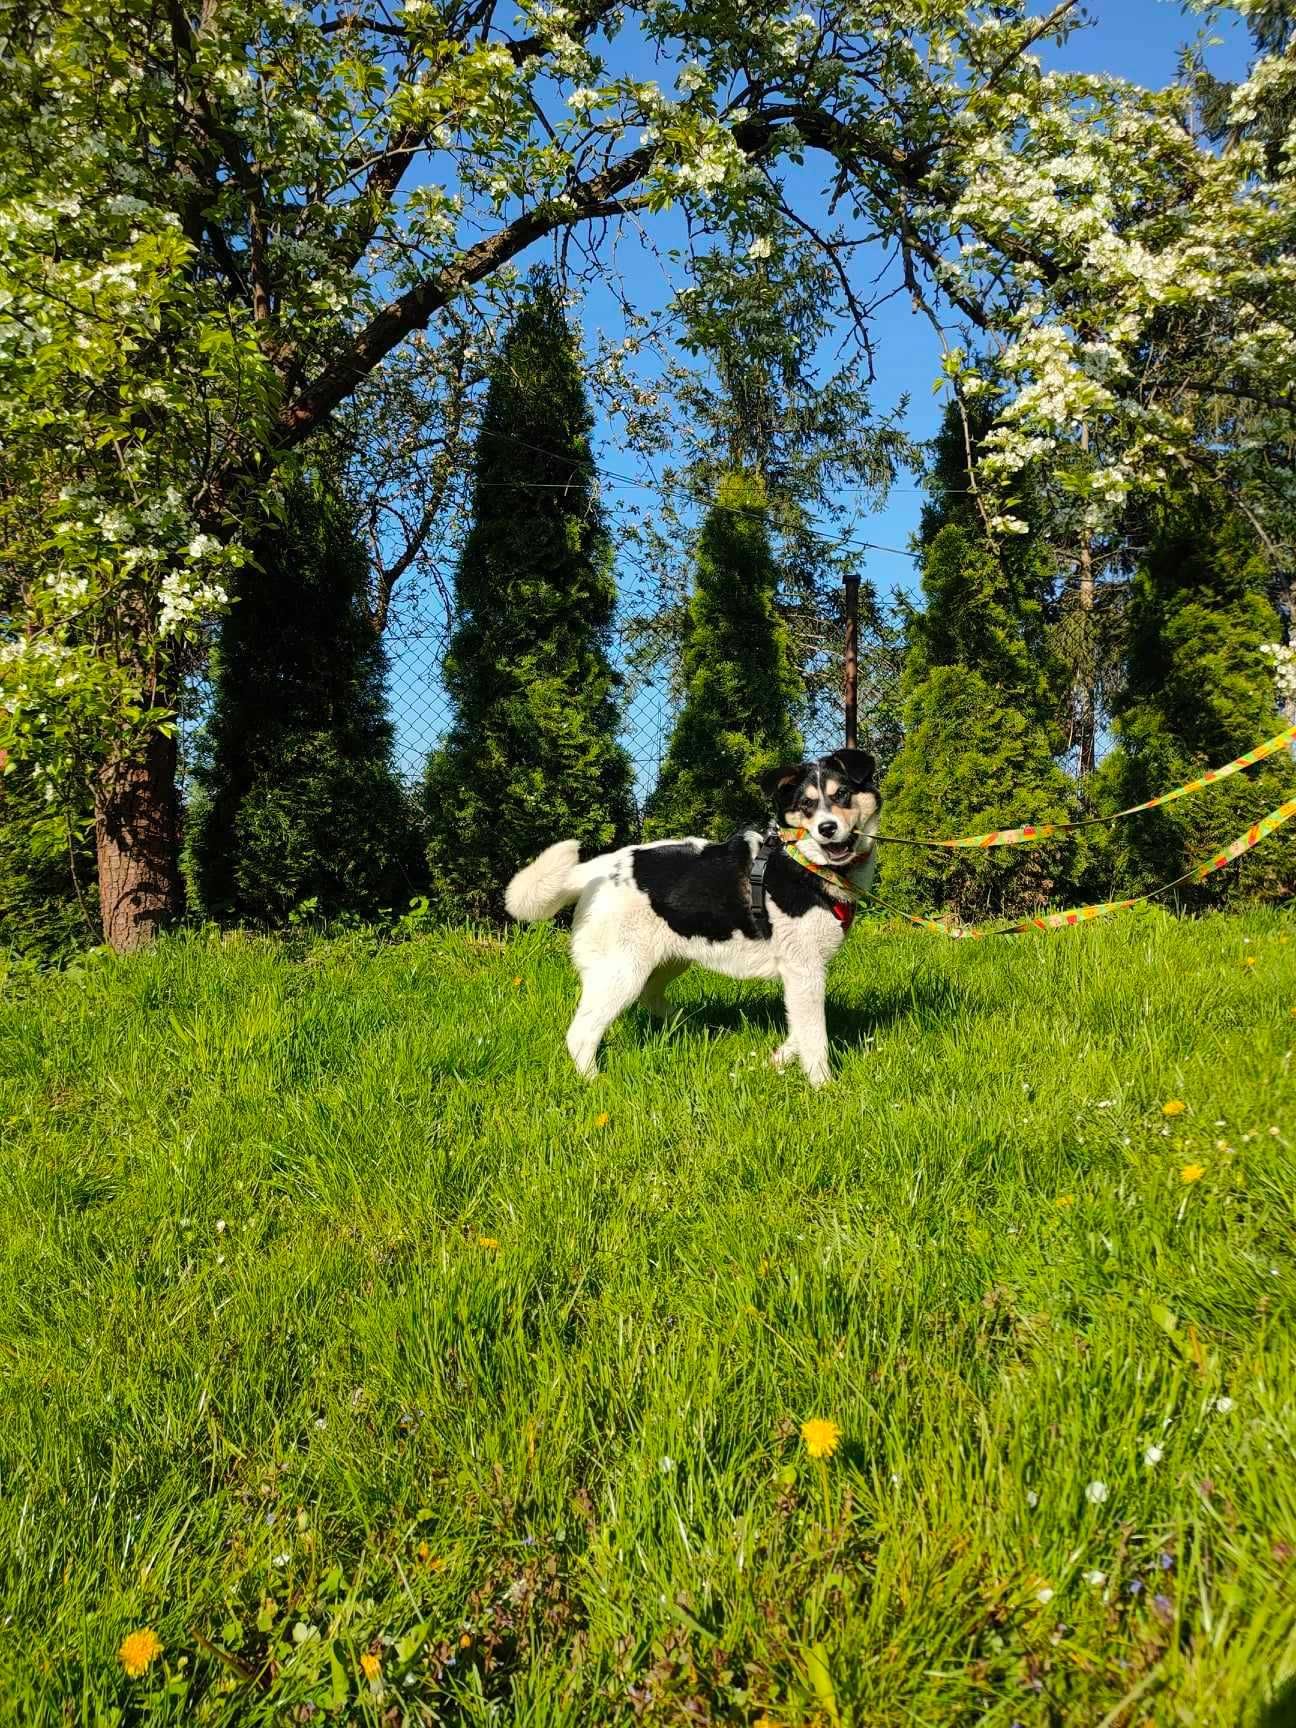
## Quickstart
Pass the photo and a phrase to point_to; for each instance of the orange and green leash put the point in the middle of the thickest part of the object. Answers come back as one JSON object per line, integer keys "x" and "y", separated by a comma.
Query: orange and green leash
{"x": 1075, "y": 915}
{"x": 1033, "y": 831}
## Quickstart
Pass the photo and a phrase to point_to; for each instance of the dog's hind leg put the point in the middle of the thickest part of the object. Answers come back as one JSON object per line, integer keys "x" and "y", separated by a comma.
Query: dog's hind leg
{"x": 652, "y": 998}
{"x": 608, "y": 987}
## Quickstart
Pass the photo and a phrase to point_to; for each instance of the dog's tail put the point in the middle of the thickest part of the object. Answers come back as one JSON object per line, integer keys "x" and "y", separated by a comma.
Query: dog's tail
{"x": 550, "y": 882}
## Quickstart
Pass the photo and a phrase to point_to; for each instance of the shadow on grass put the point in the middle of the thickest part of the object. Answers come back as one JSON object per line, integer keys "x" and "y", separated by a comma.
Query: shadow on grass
{"x": 852, "y": 1019}
{"x": 1281, "y": 1713}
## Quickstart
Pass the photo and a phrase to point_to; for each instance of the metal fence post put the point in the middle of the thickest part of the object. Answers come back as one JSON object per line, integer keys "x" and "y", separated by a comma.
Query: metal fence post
{"x": 851, "y": 691}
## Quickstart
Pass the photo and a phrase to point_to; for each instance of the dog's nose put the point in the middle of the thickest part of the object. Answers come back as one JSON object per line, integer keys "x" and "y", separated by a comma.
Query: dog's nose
{"x": 827, "y": 829}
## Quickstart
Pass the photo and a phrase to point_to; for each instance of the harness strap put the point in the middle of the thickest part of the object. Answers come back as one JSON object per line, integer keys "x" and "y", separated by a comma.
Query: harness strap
{"x": 760, "y": 863}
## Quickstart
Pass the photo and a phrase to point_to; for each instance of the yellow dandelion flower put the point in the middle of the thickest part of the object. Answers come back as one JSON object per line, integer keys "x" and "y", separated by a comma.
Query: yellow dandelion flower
{"x": 487, "y": 1242}
{"x": 465, "y": 1641}
{"x": 1065, "y": 1200}
{"x": 1192, "y": 1172}
{"x": 1250, "y": 960}
{"x": 516, "y": 983}
{"x": 602, "y": 1119}
{"x": 371, "y": 1666}
{"x": 139, "y": 1650}
{"x": 821, "y": 1437}
{"x": 1173, "y": 1107}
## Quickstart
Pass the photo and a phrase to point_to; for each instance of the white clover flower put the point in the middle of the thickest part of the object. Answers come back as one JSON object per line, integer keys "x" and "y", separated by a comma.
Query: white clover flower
{"x": 1044, "y": 1595}
{"x": 665, "y": 1465}
{"x": 1224, "y": 1405}
{"x": 1032, "y": 1498}
{"x": 1097, "y": 1579}
{"x": 1152, "y": 1455}
{"x": 1096, "y": 1493}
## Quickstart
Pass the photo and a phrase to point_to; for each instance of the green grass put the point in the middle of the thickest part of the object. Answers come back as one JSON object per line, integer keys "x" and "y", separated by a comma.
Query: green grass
{"x": 264, "y": 1389}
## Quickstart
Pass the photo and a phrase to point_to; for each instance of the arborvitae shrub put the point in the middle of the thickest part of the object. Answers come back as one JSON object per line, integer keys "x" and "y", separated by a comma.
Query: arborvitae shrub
{"x": 533, "y": 755}
{"x": 297, "y": 798}
{"x": 741, "y": 689}
{"x": 979, "y": 744}
{"x": 1199, "y": 693}
{"x": 42, "y": 915}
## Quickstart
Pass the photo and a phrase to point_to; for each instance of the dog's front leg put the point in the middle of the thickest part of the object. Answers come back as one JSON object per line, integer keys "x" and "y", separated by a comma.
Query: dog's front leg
{"x": 803, "y": 991}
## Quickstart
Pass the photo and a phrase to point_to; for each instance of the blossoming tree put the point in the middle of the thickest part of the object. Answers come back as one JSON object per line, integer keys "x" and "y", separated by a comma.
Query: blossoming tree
{"x": 217, "y": 219}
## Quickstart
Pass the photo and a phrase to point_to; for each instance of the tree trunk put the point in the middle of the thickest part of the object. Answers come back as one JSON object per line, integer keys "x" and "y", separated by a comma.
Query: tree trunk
{"x": 852, "y": 661}
{"x": 137, "y": 837}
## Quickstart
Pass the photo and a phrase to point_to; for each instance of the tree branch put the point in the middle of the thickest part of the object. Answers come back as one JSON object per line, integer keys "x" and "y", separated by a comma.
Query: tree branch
{"x": 389, "y": 169}
{"x": 227, "y": 144}
{"x": 586, "y": 201}
{"x": 590, "y": 200}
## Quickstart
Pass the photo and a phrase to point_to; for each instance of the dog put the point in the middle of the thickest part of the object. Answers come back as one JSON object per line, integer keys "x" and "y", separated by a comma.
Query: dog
{"x": 644, "y": 914}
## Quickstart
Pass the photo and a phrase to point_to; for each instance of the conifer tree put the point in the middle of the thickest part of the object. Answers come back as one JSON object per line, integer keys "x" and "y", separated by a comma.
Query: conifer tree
{"x": 741, "y": 688}
{"x": 297, "y": 798}
{"x": 1198, "y": 693}
{"x": 49, "y": 898}
{"x": 533, "y": 755}
{"x": 979, "y": 718}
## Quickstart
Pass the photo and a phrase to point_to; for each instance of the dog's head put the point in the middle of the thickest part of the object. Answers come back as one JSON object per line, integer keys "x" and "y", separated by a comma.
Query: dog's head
{"x": 835, "y": 800}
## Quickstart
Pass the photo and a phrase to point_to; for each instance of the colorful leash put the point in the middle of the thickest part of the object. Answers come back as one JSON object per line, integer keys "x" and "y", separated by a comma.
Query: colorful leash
{"x": 791, "y": 838}
{"x": 1086, "y": 914}
{"x": 1042, "y": 830}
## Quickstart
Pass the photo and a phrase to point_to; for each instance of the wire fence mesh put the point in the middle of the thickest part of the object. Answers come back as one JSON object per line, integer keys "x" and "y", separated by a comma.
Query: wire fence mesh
{"x": 417, "y": 640}
{"x": 422, "y": 711}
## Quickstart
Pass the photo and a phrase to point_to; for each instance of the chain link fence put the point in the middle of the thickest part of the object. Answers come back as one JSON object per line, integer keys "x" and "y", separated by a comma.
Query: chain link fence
{"x": 417, "y": 639}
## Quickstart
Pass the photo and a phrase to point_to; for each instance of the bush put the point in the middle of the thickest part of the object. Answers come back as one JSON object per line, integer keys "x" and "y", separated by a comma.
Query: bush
{"x": 741, "y": 687}
{"x": 1199, "y": 692}
{"x": 297, "y": 798}
{"x": 49, "y": 901}
{"x": 532, "y": 756}
{"x": 979, "y": 745}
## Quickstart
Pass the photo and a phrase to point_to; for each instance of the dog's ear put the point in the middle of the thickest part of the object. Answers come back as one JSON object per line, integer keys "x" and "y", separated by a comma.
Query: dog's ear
{"x": 856, "y": 766}
{"x": 778, "y": 784}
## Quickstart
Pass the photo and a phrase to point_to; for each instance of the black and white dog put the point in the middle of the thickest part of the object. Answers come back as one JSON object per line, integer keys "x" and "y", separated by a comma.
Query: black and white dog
{"x": 646, "y": 913}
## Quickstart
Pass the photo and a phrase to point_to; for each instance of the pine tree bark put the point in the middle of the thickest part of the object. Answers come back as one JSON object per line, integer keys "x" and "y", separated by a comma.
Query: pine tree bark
{"x": 137, "y": 839}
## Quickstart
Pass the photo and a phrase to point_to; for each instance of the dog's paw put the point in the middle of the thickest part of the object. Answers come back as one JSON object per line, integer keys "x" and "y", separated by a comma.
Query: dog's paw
{"x": 783, "y": 1057}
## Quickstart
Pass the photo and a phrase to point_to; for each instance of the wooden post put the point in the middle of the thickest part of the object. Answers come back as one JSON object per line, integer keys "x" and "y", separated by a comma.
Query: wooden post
{"x": 851, "y": 690}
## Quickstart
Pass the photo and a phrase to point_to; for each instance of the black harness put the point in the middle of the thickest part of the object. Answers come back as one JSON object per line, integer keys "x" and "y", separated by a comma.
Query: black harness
{"x": 772, "y": 842}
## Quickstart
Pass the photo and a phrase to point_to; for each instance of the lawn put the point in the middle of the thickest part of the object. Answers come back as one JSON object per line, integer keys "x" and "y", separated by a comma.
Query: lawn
{"x": 389, "y": 1373}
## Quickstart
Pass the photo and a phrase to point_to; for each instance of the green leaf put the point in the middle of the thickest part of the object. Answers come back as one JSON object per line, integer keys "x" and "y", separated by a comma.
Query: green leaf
{"x": 820, "y": 1678}
{"x": 339, "y": 1684}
